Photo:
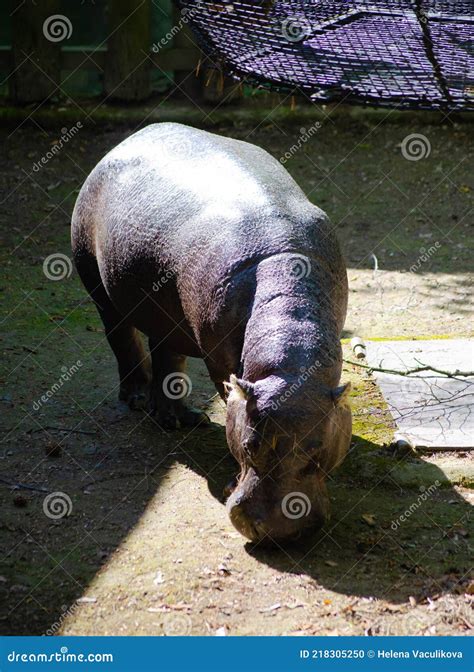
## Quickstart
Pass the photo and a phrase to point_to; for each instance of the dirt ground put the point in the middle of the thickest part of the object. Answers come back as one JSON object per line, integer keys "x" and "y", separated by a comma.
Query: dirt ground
{"x": 147, "y": 547}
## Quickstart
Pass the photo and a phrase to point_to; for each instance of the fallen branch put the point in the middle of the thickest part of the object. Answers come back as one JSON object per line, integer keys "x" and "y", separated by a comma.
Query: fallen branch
{"x": 409, "y": 372}
{"x": 59, "y": 429}
{"x": 22, "y": 486}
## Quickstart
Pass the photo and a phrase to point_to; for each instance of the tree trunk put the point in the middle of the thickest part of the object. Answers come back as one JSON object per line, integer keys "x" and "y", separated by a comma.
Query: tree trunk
{"x": 127, "y": 67}
{"x": 36, "y": 48}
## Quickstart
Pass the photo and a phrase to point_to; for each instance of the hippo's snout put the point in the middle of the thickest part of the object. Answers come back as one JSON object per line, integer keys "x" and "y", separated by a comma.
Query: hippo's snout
{"x": 259, "y": 514}
{"x": 246, "y": 507}
{"x": 253, "y": 529}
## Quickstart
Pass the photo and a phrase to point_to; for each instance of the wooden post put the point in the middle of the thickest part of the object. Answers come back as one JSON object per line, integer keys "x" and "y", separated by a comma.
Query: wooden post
{"x": 127, "y": 68}
{"x": 36, "y": 47}
{"x": 187, "y": 81}
{"x": 211, "y": 86}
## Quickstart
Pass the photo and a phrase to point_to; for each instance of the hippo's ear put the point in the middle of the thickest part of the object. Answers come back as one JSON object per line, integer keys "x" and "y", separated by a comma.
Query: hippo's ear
{"x": 242, "y": 389}
{"x": 340, "y": 395}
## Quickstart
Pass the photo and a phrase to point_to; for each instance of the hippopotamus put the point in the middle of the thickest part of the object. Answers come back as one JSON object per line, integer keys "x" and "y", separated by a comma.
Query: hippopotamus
{"x": 207, "y": 246}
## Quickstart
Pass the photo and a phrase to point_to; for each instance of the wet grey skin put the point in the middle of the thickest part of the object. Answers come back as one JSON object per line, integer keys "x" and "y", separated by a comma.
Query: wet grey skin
{"x": 207, "y": 246}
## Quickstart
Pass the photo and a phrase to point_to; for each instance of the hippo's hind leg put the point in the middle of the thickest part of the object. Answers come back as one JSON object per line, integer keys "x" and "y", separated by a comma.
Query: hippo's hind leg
{"x": 169, "y": 388}
{"x": 122, "y": 336}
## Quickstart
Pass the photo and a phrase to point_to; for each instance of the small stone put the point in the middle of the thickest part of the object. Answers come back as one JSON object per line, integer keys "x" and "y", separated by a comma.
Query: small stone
{"x": 20, "y": 501}
{"x": 223, "y": 570}
{"x": 158, "y": 579}
{"x": 53, "y": 449}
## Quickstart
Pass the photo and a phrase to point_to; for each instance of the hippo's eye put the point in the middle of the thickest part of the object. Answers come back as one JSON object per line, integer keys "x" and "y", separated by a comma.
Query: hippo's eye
{"x": 314, "y": 450}
{"x": 311, "y": 468}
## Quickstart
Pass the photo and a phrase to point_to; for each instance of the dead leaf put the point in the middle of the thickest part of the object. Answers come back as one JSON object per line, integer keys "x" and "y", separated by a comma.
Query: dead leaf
{"x": 331, "y": 563}
{"x": 393, "y": 607}
{"x": 274, "y": 607}
{"x": 369, "y": 518}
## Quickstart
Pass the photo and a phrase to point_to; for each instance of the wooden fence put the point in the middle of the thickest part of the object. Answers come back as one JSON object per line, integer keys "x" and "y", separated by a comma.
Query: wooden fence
{"x": 34, "y": 62}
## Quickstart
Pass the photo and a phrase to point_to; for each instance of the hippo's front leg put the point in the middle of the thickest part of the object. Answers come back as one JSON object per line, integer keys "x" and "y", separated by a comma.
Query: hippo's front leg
{"x": 170, "y": 386}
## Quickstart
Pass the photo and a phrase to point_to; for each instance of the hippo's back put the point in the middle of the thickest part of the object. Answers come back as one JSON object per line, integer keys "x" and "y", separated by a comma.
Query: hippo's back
{"x": 219, "y": 175}
{"x": 175, "y": 175}
{"x": 183, "y": 191}
{"x": 197, "y": 207}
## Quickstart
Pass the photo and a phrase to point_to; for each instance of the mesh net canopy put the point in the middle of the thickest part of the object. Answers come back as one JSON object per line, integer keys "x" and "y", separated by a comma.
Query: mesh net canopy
{"x": 416, "y": 54}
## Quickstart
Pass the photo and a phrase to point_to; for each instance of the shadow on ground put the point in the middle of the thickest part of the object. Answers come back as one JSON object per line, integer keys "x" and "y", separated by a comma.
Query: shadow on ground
{"x": 383, "y": 541}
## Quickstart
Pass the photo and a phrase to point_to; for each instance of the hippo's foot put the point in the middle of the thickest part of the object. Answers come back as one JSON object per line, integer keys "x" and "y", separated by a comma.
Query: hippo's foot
{"x": 194, "y": 417}
{"x": 174, "y": 415}
{"x": 135, "y": 395}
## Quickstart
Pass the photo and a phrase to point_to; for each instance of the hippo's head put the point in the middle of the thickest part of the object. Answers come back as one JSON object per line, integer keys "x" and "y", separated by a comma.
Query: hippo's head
{"x": 286, "y": 436}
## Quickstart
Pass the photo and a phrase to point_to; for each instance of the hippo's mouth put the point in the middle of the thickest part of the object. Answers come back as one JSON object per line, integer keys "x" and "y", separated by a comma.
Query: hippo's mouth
{"x": 261, "y": 514}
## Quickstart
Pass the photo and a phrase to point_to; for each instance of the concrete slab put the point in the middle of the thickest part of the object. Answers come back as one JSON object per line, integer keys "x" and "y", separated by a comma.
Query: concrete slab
{"x": 431, "y": 410}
